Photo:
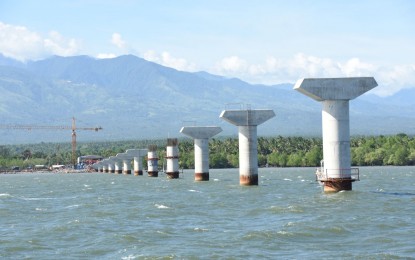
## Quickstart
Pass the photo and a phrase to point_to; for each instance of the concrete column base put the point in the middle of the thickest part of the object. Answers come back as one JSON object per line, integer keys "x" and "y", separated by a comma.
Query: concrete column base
{"x": 136, "y": 173}
{"x": 127, "y": 172}
{"x": 172, "y": 175}
{"x": 336, "y": 185}
{"x": 248, "y": 180}
{"x": 153, "y": 174}
{"x": 204, "y": 176}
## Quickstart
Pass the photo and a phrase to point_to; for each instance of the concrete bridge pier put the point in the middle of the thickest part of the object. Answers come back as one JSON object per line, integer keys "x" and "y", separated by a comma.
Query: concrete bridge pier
{"x": 126, "y": 160}
{"x": 117, "y": 164}
{"x": 201, "y": 135}
{"x": 138, "y": 155}
{"x": 334, "y": 93}
{"x": 111, "y": 166}
{"x": 172, "y": 158}
{"x": 152, "y": 161}
{"x": 247, "y": 122}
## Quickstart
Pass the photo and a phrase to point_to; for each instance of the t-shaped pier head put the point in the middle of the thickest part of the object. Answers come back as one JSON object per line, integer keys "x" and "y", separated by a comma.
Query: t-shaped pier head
{"x": 322, "y": 89}
{"x": 201, "y": 135}
{"x": 335, "y": 93}
{"x": 247, "y": 122}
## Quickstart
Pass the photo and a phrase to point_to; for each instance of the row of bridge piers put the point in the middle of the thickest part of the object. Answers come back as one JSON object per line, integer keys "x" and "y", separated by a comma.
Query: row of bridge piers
{"x": 335, "y": 174}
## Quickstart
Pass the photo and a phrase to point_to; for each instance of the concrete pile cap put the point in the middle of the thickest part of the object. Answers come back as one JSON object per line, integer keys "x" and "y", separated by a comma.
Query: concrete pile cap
{"x": 335, "y": 88}
{"x": 137, "y": 152}
{"x": 247, "y": 117}
{"x": 200, "y": 132}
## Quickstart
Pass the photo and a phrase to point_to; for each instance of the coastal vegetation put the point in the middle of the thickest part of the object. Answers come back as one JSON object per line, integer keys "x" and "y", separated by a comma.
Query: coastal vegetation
{"x": 272, "y": 151}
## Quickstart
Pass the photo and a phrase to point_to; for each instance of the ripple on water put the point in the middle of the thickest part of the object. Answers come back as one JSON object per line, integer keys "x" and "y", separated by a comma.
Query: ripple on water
{"x": 130, "y": 217}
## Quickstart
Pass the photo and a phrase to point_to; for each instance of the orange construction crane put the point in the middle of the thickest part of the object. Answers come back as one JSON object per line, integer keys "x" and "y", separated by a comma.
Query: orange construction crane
{"x": 73, "y": 128}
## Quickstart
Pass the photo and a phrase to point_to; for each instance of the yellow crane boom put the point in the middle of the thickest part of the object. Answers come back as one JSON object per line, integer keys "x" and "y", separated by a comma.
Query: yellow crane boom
{"x": 56, "y": 127}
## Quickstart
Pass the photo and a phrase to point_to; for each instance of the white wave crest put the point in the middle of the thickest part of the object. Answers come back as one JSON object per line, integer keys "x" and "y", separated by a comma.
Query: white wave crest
{"x": 159, "y": 206}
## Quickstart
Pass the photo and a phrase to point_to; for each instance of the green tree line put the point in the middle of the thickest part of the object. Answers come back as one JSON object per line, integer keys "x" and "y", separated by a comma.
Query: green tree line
{"x": 223, "y": 152}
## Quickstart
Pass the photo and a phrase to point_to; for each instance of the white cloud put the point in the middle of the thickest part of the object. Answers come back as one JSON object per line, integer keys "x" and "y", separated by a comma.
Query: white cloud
{"x": 232, "y": 64}
{"x": 117, "y": 40}
{"x": 393, "y": 79}
{"x": 273, "y": 71}
{"x": 20, "y": 43}
{"x": 106, "y": 55}
{"x": 166, "y": 59}
{"x": 354, "y": 67}
{"x": 58, "y": 45}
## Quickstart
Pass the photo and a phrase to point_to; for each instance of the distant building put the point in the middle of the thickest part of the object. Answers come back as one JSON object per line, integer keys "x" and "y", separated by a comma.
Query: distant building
{"x": 89, "y": 159}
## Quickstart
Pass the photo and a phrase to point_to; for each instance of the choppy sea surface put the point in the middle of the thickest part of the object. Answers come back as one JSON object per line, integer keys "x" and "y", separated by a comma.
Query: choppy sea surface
{"x": 288, "y": 216}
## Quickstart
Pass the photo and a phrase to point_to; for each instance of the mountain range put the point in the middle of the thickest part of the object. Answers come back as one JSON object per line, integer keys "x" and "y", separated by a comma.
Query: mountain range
{"x": 131, "y": 98}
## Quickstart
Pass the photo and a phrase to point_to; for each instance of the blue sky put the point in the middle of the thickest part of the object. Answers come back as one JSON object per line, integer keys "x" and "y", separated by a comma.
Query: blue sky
{"x": 266, "y": 41}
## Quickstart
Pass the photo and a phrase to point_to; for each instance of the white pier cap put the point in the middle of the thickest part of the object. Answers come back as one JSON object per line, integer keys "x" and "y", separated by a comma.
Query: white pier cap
{"x": 137, "y": 152}
{"x": 124, "y": 156}
{"x": 335, "y": 88}
{"x": 200, "y": 132}
{"x": 247, "y": 117}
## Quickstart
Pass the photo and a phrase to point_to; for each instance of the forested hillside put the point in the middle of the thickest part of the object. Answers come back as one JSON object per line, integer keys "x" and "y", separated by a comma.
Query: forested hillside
{"x": 272, "y": 151}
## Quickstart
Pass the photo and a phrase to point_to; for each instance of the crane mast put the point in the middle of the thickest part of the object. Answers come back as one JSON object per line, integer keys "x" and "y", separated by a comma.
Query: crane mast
{"x": 73, "y": 141}
{"x": 43, "y": 127}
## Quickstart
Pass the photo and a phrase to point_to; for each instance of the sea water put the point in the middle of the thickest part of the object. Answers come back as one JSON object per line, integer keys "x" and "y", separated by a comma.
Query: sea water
{"x": 287, "y": 216}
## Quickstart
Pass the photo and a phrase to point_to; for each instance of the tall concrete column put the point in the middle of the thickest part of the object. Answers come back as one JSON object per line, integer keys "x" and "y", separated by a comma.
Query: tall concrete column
{"x": 336, "y": 137}
{"x": 118, "y": 166}
{"x": 152, "y": 161}
{"x": 334, "y": 94}
{"x": 138, "y": 159}
{"x": 247, "y": 122}
{"x": 126, "y": 166}
{"x": 172, "y": 158}
{"x": 201, "y": 135}
{"x": 111, "y": 167}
